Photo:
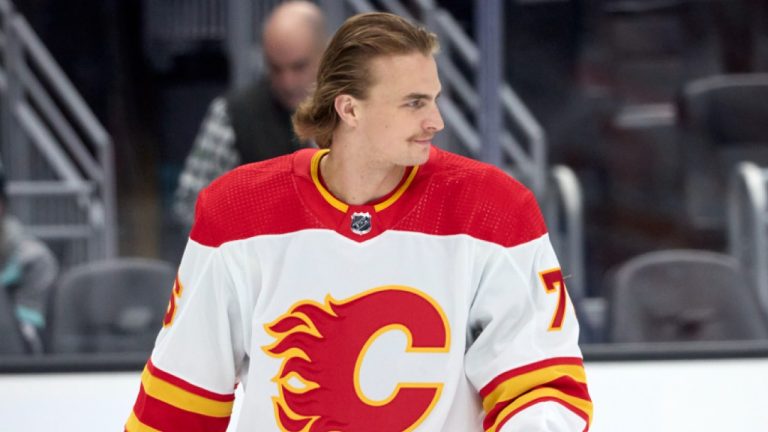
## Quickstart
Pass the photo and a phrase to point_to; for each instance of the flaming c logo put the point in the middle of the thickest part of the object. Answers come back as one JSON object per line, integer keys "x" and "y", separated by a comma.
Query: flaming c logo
{"x": 323, "y": 346}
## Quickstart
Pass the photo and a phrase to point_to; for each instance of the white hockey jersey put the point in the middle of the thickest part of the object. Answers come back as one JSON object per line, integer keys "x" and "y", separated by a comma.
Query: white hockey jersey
{"x": 441, "y": 307}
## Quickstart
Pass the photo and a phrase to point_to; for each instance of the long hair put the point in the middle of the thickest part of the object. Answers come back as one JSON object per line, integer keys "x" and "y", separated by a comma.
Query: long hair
{"x": 344, "y": 67}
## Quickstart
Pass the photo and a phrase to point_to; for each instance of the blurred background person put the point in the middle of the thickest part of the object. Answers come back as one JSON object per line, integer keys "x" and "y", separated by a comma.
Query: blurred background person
{"x": 28, "y": 270}
{"x": 254, "y": 124}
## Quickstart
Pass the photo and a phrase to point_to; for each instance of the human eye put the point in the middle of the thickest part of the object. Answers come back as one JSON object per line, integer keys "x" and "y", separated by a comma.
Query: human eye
{"x": 415, "y": 103}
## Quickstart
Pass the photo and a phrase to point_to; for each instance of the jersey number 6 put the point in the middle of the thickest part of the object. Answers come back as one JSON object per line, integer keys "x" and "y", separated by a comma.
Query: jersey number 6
{"x": 554, "y": 283}
{"x": 170, "y": 312}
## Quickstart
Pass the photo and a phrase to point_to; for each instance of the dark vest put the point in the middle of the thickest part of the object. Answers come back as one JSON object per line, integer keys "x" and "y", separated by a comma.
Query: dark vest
{"x": 262, "y": 126}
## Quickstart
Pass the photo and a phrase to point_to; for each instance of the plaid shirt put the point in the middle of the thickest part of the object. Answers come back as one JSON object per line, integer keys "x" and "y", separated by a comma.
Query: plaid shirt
{"x": 213, "y": 153}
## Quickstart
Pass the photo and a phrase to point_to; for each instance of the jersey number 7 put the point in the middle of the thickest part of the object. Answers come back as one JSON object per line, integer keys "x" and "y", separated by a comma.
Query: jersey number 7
{"x": 554, "y": 283}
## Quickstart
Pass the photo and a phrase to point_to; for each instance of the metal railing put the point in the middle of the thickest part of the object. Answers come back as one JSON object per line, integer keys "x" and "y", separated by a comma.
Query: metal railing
{"x": 57, "y": 156}
{"x": 748, "y": 224}
{"x": 563, "y": 209}
{"x": 172, "y": 27}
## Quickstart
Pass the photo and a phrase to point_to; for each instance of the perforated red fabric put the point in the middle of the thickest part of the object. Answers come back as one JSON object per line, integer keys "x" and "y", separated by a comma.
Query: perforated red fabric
{"x": 254, "y": 199}
{"x": 464, "y": 196}
{"x": 450, "y": 195}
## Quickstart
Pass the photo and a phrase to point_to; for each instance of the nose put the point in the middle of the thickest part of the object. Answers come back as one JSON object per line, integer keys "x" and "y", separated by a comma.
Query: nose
{"x": 434, "y": 122}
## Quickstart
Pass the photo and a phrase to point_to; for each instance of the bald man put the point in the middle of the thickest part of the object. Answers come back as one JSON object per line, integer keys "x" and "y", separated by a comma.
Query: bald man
{"x": 254, "y": 124}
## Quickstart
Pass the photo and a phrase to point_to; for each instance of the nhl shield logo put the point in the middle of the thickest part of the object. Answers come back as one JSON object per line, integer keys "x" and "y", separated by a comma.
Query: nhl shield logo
{"x": 361, "y": 223}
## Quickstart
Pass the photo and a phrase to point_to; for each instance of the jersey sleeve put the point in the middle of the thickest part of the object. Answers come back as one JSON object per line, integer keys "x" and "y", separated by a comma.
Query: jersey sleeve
{"x": 523, "y": 356}
{"x": 189, "y": 381}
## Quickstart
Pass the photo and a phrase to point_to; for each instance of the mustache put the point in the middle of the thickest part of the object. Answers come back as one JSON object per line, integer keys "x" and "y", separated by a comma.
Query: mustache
{"x": 422, "y": 137}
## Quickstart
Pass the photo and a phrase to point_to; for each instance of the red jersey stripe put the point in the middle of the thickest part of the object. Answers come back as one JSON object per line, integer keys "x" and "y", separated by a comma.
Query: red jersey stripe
{"x": 570, "y": 407}
{"x": 564, "y": 384}
{"x": 165, "y": 417}
{"x": 491, "y": 386}
{"x": 184, "y": 385}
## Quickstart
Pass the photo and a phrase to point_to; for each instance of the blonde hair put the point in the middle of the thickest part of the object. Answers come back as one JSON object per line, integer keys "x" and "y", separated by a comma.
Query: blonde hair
{"x": 344, "y": 67}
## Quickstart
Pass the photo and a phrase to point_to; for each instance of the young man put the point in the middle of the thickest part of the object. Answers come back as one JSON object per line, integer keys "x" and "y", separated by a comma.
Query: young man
{"x": 378, "y": 284}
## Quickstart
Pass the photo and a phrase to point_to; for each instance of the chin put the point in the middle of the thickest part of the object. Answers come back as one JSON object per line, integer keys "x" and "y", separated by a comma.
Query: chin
{"x": 419, "y": 158}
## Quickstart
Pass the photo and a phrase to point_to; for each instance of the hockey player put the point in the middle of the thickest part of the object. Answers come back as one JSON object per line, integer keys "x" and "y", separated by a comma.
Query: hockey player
{"x": 375, "y": 284}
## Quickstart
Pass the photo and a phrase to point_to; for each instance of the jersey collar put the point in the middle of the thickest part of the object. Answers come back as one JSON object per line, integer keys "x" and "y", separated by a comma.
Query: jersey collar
{"x": 375, "y": 217}
{"x": 380, "y": 205}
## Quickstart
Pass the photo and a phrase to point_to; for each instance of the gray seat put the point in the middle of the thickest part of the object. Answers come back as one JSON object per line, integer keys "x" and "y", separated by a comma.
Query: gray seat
{"x": 683, "y": 295}
{"x": 724, "y": 121}
{"x": 110, "y": 306}
{"x": 11, "y": 340}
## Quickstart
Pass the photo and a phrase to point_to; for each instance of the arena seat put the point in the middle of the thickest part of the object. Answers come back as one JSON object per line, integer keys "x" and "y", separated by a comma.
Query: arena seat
{"x": 724, "y": 121}
{"x": 683, "y": 295}
{"x": 109, "y": 306}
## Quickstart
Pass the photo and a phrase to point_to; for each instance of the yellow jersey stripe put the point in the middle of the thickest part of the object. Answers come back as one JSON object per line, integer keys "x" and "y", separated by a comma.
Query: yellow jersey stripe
{"x": 315, "y": 171}
{"x": 182, "y": 399}
{"x": 583, "y": 405}
{"x": 135, "y": 425}
{"x": 400, "y": 191}
{"x": 513, "y": 387}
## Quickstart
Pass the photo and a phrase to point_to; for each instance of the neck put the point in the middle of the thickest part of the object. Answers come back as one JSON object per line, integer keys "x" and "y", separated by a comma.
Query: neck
{"x": 353, "y": 177}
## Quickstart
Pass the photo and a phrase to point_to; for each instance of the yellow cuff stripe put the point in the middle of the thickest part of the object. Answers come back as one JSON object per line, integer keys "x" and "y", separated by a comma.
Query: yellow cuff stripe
{"x": 135, "y": 425}
{"x": 183, "y": 399}
{"x": 581, "y": 404}
{"x": 515, "y": 386}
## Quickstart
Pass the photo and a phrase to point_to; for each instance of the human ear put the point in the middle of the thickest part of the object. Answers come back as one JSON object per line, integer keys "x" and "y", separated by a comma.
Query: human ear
{"x": 345, "y": 106}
